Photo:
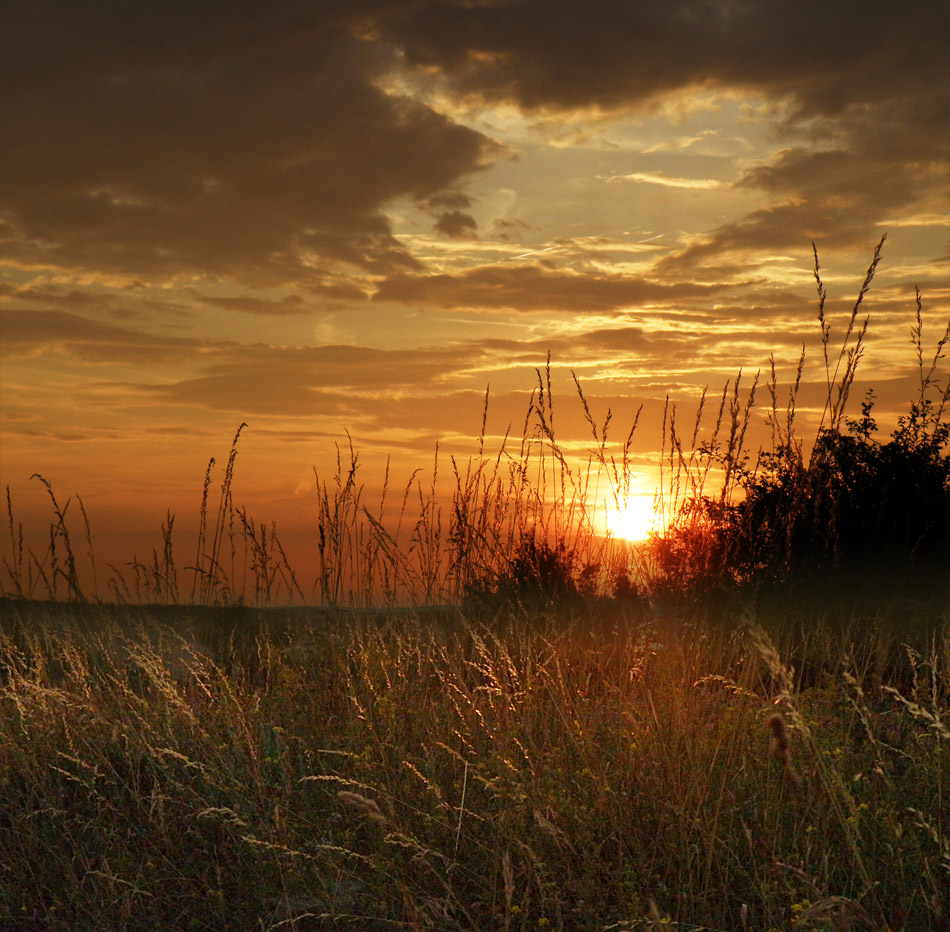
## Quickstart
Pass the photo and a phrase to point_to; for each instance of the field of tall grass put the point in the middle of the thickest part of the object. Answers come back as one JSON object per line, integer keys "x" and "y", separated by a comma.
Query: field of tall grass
{"x": 486, "y": 714}
{"x": 608, "y": 771}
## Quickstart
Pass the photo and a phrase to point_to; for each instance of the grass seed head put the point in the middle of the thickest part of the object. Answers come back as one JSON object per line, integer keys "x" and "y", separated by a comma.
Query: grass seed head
{"x": 781, "y": 747}
{"x": 367, "y": 807}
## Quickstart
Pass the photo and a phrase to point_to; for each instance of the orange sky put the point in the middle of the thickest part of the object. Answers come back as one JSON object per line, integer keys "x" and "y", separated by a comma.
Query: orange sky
{"x": 318, "y": 222}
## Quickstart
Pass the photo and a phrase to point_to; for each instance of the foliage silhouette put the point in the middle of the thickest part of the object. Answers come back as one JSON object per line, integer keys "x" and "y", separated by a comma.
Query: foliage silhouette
{"x": 860, "y": 511}
{"x": 538, "y": 576}
{"x": 856, "y": 515}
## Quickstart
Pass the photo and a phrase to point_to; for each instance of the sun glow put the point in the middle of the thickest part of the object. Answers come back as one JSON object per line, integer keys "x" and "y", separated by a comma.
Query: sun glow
{"x": 635, "y": 520}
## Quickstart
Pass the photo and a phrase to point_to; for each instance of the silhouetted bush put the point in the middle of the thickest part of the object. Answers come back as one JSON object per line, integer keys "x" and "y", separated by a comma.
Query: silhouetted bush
{"x": 861, "y": 510}
{"x": 853, "y": 515}
{"x": 538, "y": 576}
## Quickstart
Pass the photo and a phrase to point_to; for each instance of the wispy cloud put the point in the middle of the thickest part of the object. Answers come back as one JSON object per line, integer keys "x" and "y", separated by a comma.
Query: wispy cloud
{"x": 665, "y": 180}
{"x": 681, "y": 142}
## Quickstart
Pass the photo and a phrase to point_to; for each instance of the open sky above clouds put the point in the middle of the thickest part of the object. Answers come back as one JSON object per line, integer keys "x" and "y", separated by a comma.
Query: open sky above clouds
{"x": 323, "y": 217}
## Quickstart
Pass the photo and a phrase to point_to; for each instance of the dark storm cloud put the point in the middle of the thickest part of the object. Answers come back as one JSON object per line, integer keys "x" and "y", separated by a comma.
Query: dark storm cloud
{"x": 231, "y": 140}
{"x": 614, "y": 54}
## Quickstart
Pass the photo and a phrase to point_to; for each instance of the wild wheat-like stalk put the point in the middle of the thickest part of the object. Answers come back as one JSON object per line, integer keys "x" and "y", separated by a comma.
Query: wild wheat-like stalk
{"x": 202, "y": 530}
{"x": 850, "y": 355}
{"x": 14, "y": 571}
{"x": 367, "y": 807}
{"x": 91, "y": 553}
{"x": 223, "y": 521}
{"x": 60, "y": 531}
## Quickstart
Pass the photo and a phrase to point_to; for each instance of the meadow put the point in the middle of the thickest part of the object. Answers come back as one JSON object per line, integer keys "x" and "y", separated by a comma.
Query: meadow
{"x": 488, "y": 715}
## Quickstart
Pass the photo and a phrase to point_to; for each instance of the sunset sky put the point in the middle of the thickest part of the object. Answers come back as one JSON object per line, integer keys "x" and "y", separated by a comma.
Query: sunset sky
{"x": 320, "y": 217}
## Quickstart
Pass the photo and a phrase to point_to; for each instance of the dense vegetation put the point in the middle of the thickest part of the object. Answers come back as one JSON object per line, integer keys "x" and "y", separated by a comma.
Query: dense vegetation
{"x": 395, "y": 770}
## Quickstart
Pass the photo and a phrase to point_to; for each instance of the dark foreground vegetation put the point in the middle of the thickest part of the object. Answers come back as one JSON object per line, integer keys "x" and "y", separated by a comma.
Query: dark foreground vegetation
{"x": 376, "y": 771}
{"x": 742, "y": 725}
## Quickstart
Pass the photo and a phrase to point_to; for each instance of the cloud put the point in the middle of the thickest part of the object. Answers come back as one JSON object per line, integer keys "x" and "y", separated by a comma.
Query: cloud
{"x": 548, "y": 55}
{"x": 291, "y": 304}
{"x": 265, "y": 146}
{"x": 449, "y": 200}
{"x": 32, "y": 333}
{"x": 206, "y": 142}
{"x": 835, "y": 197}
{"x": 455, "y": 224}
{"x": 681, "y": 142}
{"x": 858, "y": 97}
{"x": 665, "y": 180}
{"x": 534, "y": 288}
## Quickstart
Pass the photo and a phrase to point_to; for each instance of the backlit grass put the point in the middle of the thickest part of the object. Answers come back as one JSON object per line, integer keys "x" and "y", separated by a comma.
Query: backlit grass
{"x": 395, "y": 771}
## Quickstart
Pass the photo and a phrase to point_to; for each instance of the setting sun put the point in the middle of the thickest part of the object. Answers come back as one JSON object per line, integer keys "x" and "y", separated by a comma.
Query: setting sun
{"x": 633, "y": 521}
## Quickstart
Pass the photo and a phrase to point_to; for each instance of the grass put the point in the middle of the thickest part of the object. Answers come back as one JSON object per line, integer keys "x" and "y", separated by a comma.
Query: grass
{"x": 386, "y": 771}
{"x": 491, "y": 716}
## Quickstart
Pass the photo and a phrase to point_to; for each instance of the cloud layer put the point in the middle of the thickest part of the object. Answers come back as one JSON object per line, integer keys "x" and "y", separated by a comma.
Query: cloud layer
{"x": 222, "y": 140}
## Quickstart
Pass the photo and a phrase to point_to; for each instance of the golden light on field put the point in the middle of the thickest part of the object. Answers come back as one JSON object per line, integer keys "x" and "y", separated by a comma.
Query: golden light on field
{"x": 634, "y": 520}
